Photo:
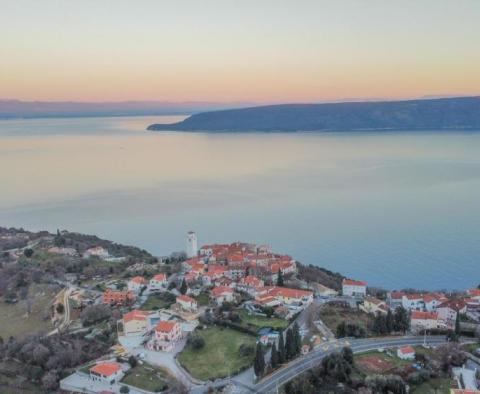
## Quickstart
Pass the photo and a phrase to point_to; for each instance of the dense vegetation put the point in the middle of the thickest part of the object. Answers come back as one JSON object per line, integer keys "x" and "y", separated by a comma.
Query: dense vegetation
{"x": 312, "y": 273}
{"x": 338, "y": 372}
{"x": 434, "y": 114}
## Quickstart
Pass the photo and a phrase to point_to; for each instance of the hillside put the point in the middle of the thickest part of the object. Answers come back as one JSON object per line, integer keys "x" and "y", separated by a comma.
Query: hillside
{"x": 461, "y": 113}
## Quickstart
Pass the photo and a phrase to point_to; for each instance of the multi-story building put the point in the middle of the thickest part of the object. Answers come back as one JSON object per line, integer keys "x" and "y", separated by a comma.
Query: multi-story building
{"x": 158, "y": 282}
{"x": 167, "y": 334}
{"x": 187, "y": 303}
{"x": 354, "y": 288}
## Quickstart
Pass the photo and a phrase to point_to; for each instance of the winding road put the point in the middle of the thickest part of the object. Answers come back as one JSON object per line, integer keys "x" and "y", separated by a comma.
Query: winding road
{"x": 270, "y": 383}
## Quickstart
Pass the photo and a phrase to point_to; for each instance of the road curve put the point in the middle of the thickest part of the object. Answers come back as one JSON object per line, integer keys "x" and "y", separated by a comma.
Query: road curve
{"x": 273, "y": 381}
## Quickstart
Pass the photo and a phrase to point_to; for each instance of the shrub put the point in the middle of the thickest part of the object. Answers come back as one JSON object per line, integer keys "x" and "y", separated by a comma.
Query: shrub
{"x": 245, "y": 350}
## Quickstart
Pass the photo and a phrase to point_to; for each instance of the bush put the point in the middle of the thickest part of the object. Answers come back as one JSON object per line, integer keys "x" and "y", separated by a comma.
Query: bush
{"x": 246, "y": 350}
{"x": 196, "y": 342}
{"x": 60, "y": 309}
{"x": 28, "y": 252}
{"x": 132, "y": 361}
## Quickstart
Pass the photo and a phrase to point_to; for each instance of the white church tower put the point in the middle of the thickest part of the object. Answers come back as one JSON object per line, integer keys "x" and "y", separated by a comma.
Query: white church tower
{"x": 192, "y": 248}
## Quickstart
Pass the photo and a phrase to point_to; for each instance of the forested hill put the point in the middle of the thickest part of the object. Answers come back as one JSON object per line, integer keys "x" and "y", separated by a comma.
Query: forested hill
{"x": 461, "y": 113}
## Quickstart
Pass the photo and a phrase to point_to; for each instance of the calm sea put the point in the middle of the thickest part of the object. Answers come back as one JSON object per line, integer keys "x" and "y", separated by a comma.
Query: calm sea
{"x": 396, "y": 209}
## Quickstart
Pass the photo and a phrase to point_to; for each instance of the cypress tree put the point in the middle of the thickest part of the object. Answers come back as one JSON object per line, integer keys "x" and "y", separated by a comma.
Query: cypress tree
{"x": 297, "y": 339}
{"x": 183, "y": 287}
{"x": 259, "y": 362}
{"x": 341, "y": 330}
{"x": 274, "y": 357}
{"x": 280, "y": 278}
{"x": 390, "y": 322}
{"x": 457, "y": 325}
{"x": 290, "y": 346}
{"x": 281, "y": 349}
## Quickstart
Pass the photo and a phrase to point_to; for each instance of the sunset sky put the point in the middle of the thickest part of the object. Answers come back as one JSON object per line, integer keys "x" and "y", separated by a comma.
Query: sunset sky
{"x": 238, "y": 51}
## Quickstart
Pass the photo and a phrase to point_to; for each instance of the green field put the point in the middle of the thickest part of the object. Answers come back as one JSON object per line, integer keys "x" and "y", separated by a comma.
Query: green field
{"x": 203, "y": 299}
{"x": 220, "y": 356}
{"x": 471, "y": 347}
{"x": 257, "y": 322}
{"x": 15, "y": 319}
{"x": 434, "y": 386}
{"x": 146, "y": 377}
{"x": 158, "y": 301}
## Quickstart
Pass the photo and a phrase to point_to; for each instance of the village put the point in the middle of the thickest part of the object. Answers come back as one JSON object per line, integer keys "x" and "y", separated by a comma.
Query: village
{"x": 224, "y": 317}
{"x": 233, "y": 284}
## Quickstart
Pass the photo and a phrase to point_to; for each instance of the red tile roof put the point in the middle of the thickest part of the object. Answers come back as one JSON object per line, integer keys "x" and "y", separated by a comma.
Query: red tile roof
{"x": 106, "y": 369}
{"x": 186, "y": 298}
{"x": 138, "y": 279}
{"x": 397, "y": 295}
{"x": 419, "y": 315}
{"x": 351, "y": 282}
{"x": 160, "y": 277}
{"x": 135, "y": 315}
{"x": 474, "y": 292}
{"x": 407, "y": 350}
{"x": 456, "y": 305}
{"x": 220, "y": 290}
{"x": 460, "y": 391}
{"x": 289, "y": 293}
{"x": 165, "y": 326}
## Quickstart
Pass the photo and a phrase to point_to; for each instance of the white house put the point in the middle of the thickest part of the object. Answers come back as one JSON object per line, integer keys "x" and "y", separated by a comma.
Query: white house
{"x": 187, "y": 303}
{"x": 136, "y": 283}
{"x": 413, "y": 302}
{"x": 108, "y": 372}
{"x": 158, "y": 282}
{"x": 167, "y": 334}
{"x": 420, "y": 321}
{"x": 406, "y": 353}
{"x": 222, "y": 294}
{"x": 374, "y": 306}
{"x": 135, "y": 323}
{"x": 354, "y": 288}
{"x": 96, "y": 251}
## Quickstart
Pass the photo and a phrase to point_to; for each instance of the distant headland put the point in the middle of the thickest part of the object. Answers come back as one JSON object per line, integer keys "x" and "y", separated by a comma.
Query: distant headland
{"x": 459, "y": 113}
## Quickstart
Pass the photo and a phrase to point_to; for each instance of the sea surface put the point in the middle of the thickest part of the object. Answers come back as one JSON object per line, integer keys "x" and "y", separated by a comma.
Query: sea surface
{"x": 399, "y": 209}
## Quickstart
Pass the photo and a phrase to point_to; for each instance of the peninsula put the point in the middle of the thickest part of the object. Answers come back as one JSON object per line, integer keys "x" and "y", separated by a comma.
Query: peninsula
{"x": 461, "y": 113}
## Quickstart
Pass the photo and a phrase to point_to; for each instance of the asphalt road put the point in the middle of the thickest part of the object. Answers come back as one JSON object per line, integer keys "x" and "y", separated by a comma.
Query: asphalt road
{"x": 270, "y": 383}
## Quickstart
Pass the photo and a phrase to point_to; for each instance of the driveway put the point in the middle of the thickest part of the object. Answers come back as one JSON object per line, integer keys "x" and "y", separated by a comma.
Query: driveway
{"x": 161, "y": 359}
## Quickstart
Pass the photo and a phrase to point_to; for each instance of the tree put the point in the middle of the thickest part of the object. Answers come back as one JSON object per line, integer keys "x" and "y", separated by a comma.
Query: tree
{"x": 281, "y": 349}
{"x": 60, "y": 308}
{"x": 259, "y": 362}
{"x": 457, "y": 325}
{"x": 347, "y": 355}
{"x": 380, "y": 324}
{"x": 297, "y": 339}
{"x": 341, "y": 330}
{"x": 401, "y": 319}
{"x": 390, "y": 321}
{"x": 132, "y": 361}
{"x": 196, "y": 341}
{"x": 124, "y": 389}
{"x": 274, "y": 357}
{"x": 280, "y": 278}
{"x": 28, "y": 252}
{"x": 183, "y": 287}
{"x": 290, "y": 346}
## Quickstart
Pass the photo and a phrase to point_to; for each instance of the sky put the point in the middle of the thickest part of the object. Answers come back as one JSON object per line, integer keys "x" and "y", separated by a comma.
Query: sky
{"x": 238, "y": 51}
